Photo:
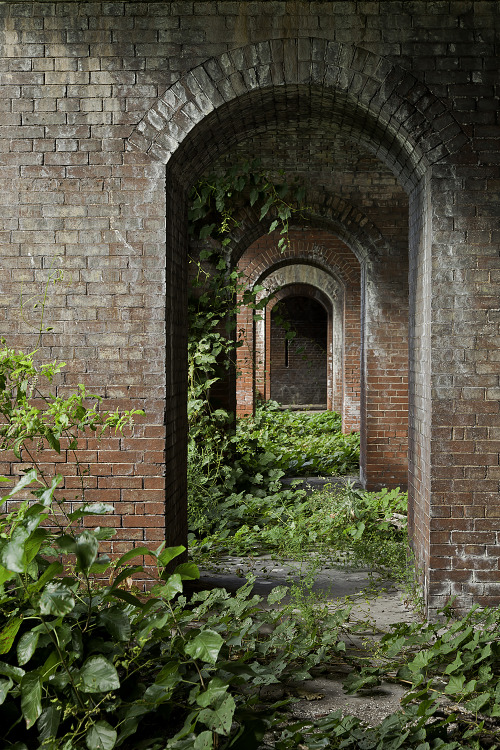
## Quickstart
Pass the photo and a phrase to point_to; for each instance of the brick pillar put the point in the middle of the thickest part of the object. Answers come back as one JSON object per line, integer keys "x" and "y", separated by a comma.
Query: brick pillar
{"x": 385, "y": 374}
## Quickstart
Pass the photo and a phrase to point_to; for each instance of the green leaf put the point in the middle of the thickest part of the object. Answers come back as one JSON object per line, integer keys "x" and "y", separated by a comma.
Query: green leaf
{"x": 116, "y": 622}
{"x": 51, "y": 572}
{"x": 98, "y": 675}
{"x": 172, "y": 587}
{"x": 169, "y": 553}
{"x": 455, "y": 664}
{"x": 56, "y": 599}
{"x": 136, "y": 552}
{"x": 188, "y": 571}
{"x": 219, "y": 719}
{"x": 8, "y": 634}
{"x": 15, "y": 672}
{"x": 87, "y": 548}
{"x": 48, "y": 723}
{"x": 205, "y": 646}
{"x": 5, "y": 686}
{"x": 101, "y": 736}
{"x": 12, "y": 555}
{"x": 216, "y": 688}
{"x": 26, "y": 479}
{"x": 53, "y": 441}
{"x": 91, "y": 509}
{"x": 455, "y": 684}
{"x": 477, "y": 703}
{"x": 5, "y": 575}
{"x": 31, "y": 698}
{"x": 204, "y": 741}
{"x": 26, "y": 646}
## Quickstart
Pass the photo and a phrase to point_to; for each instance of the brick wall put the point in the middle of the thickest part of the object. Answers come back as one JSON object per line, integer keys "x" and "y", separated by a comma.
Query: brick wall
{"x": 387, "y": 112}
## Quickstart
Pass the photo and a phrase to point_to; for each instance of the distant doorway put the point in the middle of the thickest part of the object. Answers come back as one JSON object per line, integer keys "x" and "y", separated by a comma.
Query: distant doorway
{"x": 299, "y": 353}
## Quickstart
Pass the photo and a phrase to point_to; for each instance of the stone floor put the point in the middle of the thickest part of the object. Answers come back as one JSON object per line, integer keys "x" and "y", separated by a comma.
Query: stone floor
{"x": 371, "y": 598}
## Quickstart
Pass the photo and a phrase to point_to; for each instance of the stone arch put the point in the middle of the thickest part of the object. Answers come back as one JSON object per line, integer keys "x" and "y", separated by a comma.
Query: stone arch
{"x": 392, "y": 112}
{"x": 320, "y": 259}
{"x": 332, "y": 212}
{"x": 343, "y": 89}
{"x": 307, "y": 377}
{"x": 302, "y": 278}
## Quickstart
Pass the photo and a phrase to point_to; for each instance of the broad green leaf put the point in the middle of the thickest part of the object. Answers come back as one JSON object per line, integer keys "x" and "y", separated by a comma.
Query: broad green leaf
{"x": 12, "y": 555}
{"x": 205, "y": 646}
{"x": 48, "y": 723}
{"x": 219, "y": 719}
{"x": 5, "y": 686}
{"x": 455, "y": 684}
{"x": 420, "y": 662}
{"x": 26, "y": 479}
{"x": 53, "y": 441}
{"x": 67, "y": 543}
{"x": 101, "y": 736}
{"x": 116, "y": 622}
{"x": 31, "y": 698}
{"x": 136, "y": 552}
{"x": 26, "y": 646}
{"x": 15, "y": 672}
{"x": 98, "y": 675}
{"x": 33, "y": 544}
{"x": 172, "y": 587}
{"x": 214, "y": 692}
{"x": 204, "y": 741}
{"x": 56, "y": 599}
{"x": 477, "y": 703}
{"x": 5, "y": 575}
{"x": 188, "y": 571}
{"x": 8, "y": 634}
{"x": 169, "y": 553}
{"x": 51, "y": 572}
{"x": 455, "y": 664}
{"x": 46, "y": 496}
{"x": 87, "y": 548}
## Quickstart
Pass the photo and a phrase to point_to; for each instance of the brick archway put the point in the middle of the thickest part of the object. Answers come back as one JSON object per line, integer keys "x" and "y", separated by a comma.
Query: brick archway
{"x": 323, "y": 261}
{"x": 410, "y": 125}
{"x": 310, "y": 374}
{"x": 254, "y": 378}
{"x": 344, "y": 90}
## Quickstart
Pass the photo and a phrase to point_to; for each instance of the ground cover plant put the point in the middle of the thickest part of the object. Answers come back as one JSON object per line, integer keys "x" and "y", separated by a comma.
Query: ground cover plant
{"x": 303, "y": 444}
{"x": 86, "y": 660}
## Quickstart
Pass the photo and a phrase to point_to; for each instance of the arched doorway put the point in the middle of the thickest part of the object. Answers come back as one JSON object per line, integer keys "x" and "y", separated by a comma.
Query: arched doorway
{"x": 325, "y": 95}
{"x": 298, "y": 350}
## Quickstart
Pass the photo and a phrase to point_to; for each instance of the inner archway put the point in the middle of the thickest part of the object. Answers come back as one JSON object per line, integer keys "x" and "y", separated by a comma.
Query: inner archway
{"x": 339, "y": 94}
{"x": 298, "y": 351}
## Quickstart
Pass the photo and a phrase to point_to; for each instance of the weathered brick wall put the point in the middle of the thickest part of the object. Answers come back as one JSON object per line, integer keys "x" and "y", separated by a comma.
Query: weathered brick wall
{"x": 367, "y": 103}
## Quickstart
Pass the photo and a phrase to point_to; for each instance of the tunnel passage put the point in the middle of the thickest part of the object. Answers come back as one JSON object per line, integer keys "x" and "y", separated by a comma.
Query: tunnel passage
{"x": 321, "y": 95}
{"x": 298, "y": 352}
{"x": 321, "y": 261}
